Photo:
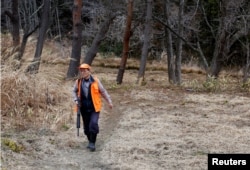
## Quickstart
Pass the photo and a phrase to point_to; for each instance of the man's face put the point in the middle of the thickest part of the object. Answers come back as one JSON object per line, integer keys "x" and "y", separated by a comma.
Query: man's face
{"x": 85, "y": 73}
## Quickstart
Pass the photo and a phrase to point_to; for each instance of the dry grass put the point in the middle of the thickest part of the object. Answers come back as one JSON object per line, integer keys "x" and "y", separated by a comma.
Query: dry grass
{"x": 25, "y": 98}
{"x": 33, "y": 100}
{"x": 174, "y": 130}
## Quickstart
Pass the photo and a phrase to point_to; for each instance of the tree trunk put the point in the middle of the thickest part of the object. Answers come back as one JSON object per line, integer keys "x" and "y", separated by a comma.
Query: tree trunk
{"x": 27, "y": 10}
{"x": 77, "y": 40}
{"x": 202, "y": 56}
{"x": 246, "y": 73}
{"x": 220, "y": 49}
{"x": 218, "y": 55}
{"x": 179, "y": 47}
{"x": 14, "y": 18}
{"x": 24, "y": 42}
{"x": 146, "y": 43}
{"x": 34, "y": 66}
{"x": 98, "y": 38}
{"x": 169, "y": 31}
{"x": 169, "y": 43}
{"x": 126, "y": 38}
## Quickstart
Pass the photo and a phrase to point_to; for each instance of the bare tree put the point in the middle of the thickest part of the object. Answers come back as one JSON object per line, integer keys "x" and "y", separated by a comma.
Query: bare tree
{"x": 34, "y": 66}
{"x": 146, "y": 42}
{"x": 28, "y": 13}
{"x": 77, "y": 40}
{"x": 26, "y": 35}
{"x": 246, "y": 72}
{"x": 14, "y": 18}
{"x": 246, "y": 46}
{"x": 180, "y": 42}
{"x": 99, "y": 37}
{"x": 169, "y": 43}
{"x": 246, "y": 30}
{"x": 220, "y": 43}
{"x": 230, "y": 31}
{"x": 127, "y": 34}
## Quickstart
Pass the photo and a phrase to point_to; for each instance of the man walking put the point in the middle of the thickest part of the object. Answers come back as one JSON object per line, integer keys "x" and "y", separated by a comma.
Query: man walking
{"x": 87, "y": 94}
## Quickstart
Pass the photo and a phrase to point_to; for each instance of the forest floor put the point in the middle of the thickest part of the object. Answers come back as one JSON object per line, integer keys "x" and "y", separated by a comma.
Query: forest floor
{"x": 156, "y": 126}
{"x": 150, "y": 127}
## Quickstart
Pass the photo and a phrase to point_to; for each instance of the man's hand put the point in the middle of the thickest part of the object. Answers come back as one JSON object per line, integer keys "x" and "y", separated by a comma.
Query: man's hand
{"x": 76, "y": 102}
{"x": 110, "y": 105}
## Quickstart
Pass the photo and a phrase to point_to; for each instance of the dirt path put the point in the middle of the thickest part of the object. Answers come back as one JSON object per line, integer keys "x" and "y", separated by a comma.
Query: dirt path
{"x": 52, "y": 150}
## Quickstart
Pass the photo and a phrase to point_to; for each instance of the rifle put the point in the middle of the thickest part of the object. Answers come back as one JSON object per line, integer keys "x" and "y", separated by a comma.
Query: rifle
{"x": 78, "y": 121}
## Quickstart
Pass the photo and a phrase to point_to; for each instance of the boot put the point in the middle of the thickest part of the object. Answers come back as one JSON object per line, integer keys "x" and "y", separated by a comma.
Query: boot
{"x": 88, "y": 136}
{"x": 91, "y": 145}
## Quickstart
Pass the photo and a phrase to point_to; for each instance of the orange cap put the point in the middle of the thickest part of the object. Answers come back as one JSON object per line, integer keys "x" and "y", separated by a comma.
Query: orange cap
{"x": 84, "y": 65}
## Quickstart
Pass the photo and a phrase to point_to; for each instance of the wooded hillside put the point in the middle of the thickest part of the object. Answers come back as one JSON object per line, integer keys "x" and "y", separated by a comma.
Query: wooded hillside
{"x": 214, "y": 34}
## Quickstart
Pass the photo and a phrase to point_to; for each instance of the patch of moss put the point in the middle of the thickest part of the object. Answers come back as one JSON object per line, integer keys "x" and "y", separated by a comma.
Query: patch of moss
{"x": 12, "y": 145}
{"x": 65, "y": 127}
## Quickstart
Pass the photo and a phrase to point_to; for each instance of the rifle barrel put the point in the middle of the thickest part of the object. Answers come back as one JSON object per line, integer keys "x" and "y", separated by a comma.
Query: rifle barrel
{"x": 78, "y": 122}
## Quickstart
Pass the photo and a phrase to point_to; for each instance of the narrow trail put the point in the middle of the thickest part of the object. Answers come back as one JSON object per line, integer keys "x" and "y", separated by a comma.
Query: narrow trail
{"x": 63, "y": 150}
{"x": 71, "y": 152}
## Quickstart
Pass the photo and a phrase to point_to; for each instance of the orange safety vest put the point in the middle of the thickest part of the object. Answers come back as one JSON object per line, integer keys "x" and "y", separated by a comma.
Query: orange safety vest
{"x": 95, "y": 93}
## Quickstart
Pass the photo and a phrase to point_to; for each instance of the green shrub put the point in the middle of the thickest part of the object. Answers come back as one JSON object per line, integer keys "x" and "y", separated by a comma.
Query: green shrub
{"x": 246, "y": 86}
{"x": 211, "y": 84}
{"x": 12, "y": 145}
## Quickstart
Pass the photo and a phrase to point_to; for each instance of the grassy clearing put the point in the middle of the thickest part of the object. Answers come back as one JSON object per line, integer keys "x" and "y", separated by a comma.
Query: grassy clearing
{"x": 155, "y": 126}
{"x": 44, "y": 99}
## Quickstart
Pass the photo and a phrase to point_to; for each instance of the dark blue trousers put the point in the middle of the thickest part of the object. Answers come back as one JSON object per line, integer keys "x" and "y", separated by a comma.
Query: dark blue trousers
{"x": 90, "y": 122}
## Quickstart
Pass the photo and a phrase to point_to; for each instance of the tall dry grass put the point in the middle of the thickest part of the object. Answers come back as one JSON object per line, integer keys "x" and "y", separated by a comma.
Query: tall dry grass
{"x": 34, "y": 101}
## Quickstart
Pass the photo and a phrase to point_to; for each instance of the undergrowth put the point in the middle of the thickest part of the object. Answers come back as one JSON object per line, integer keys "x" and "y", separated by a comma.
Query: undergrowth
{"x": 222, "y": 84}
{"x": 30, "y": 100}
